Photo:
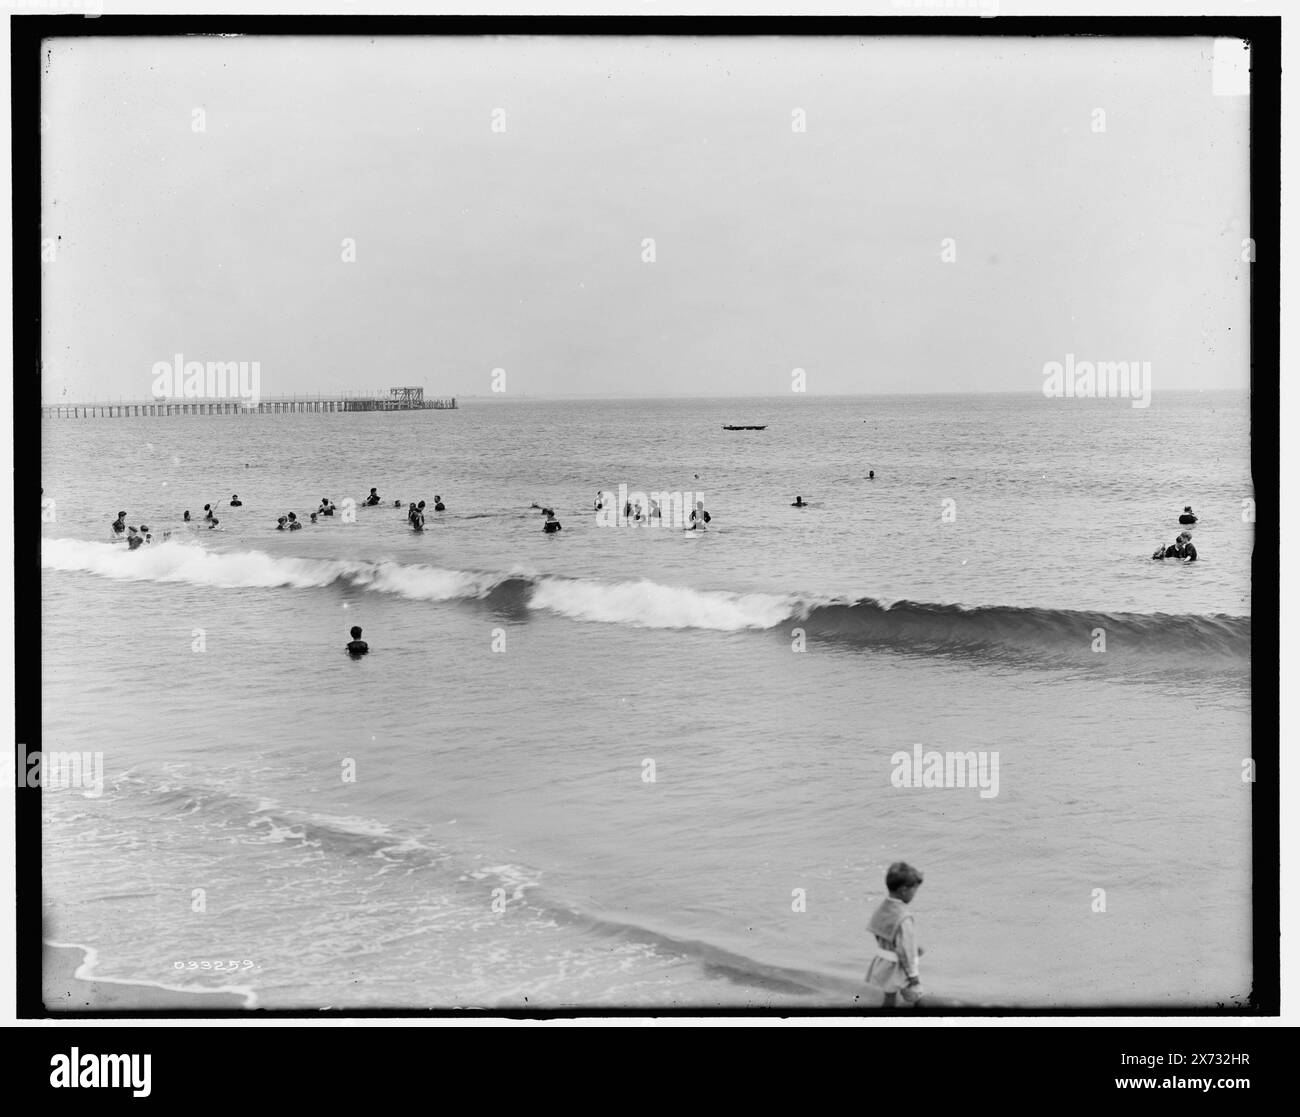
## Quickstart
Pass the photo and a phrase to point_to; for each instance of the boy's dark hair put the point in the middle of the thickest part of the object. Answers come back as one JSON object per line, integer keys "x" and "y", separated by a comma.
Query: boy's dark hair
{"x": 902, "y": 875}
{"x": 356, "y": 632}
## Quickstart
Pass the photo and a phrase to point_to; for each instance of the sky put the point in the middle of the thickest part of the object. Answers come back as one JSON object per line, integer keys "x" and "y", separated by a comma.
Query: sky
{"x": 953, "y": 214}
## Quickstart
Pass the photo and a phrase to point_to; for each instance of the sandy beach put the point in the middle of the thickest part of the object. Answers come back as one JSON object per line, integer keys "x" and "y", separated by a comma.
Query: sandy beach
{"x": 66, "y": 987}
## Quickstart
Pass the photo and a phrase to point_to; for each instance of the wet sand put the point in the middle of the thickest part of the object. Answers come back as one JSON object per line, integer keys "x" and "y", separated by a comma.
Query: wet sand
{"x": 66, "y": 987}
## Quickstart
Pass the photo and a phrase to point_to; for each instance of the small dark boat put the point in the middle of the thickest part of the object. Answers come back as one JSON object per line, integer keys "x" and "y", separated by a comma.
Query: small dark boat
{"x": 727, "y": 428}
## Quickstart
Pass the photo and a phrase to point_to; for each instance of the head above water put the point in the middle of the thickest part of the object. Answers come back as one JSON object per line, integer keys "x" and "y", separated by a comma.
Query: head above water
{"x": 356, "y": 632}
{"x": 420, "y": 505}
{"x": 372, "y": 489}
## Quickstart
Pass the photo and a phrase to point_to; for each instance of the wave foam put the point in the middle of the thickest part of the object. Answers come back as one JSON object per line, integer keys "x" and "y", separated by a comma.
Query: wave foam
{"x": 908, "y": 625}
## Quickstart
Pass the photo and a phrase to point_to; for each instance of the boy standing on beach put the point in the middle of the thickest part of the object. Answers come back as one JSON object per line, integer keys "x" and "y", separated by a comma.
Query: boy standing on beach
{"x": 895, "y": 968}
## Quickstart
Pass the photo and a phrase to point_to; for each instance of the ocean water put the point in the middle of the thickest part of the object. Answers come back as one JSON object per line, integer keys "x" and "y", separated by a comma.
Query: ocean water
{"x": 630, "y": 765}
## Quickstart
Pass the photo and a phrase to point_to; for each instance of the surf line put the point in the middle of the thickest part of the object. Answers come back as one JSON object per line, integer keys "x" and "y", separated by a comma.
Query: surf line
{"x": 946, "y": 769}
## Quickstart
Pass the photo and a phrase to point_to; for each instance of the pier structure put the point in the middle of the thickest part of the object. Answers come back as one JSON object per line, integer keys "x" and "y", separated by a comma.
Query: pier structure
{"x": 397, "y": 399}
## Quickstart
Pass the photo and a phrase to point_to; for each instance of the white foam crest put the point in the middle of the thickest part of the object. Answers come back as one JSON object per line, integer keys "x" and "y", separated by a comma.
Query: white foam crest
{"x": 182, "y": 561}
{"x": 424, "y": 583}
{"x": 643, "y": 603}
{"x": 650, "y": 605}
{"x": 174, "y": 561}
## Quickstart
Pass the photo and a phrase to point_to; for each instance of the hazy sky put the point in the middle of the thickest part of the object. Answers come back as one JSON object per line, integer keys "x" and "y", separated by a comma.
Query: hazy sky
{"x": 522, "y": 249}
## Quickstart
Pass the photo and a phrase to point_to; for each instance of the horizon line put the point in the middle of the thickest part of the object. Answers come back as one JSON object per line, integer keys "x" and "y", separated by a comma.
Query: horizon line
{"x": 501, "y": 397}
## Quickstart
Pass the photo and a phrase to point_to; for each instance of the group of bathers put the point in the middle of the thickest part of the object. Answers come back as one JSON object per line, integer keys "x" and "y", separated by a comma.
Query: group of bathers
{"x": 1181, "y": 548}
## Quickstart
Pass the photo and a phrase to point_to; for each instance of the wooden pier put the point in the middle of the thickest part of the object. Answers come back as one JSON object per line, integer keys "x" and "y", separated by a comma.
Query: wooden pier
{"x": 397, "y": 399}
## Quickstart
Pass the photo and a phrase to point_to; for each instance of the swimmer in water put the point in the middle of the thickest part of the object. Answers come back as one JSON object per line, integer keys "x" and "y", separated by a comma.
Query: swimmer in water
{"x": 186, "y": 517}
{"x": 397, "y": 504}
{"x": 373, "y": 498}
{"x": 871, "y": 475}
{"x": 438, "y": 505}
{"x": 207, "y": 513}
{"x": 417, "y": 519}
{"x": 313, "y": 517}
{"x": 410, "y": 513}
{"x": 358, "y": 647}
{"x": 699, "y": 518}
{"x": 279, "y": 524}
{"x": 235, "y": 502}
{"x": 1181, "y": 548}
{"x": 326, "y": 508}
{"x": 552, "y": 525}
{"x": 119, "y": 525}
{"x": 1188, "y": 516}
{"x": 132, "y": 539}
{"x": 599, "y": 500}
{"x": 294, "y": 525}
{"x": 798, "y": 503}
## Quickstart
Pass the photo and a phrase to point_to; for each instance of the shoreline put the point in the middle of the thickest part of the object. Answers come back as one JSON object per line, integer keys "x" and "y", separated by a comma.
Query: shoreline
{"x": 68, "y": 985}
